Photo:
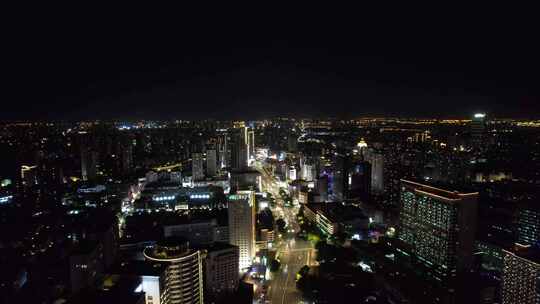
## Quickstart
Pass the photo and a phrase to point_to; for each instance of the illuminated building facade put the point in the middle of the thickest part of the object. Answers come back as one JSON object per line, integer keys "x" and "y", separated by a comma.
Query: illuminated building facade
{"x": 529, "y": 226}
{"x": 183, "y": 278}
{"x": 521, "y": 274}
{"x": 437, "y": 228}
{"x": 241, "y": 211}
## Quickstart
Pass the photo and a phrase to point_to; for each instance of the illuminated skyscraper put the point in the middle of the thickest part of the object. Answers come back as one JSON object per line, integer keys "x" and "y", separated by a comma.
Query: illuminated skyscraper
{"x": 437, "y": 228}
{"x": 197, "y": 167}
{"x": 478, "y": 126}
{"x": 183, "y": 279}
{"x": 521, "y": 273}
{"x": 242, "y": 212}
{"x": 251, "y": 144}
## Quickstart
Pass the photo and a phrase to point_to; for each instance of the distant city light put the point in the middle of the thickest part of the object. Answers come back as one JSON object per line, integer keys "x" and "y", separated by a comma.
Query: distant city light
{"x": 479, "y": 115}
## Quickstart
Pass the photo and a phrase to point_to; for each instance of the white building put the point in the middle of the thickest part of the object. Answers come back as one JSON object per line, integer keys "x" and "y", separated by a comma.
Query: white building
{"x": 183, "y": 278}
{"x": 241, "y": 211}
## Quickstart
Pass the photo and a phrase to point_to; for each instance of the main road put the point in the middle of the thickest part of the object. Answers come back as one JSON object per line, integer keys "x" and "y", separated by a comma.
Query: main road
{"x": 293, "y": 253}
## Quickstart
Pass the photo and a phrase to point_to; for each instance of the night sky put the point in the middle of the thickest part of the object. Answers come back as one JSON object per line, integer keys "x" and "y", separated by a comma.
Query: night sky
{"x": 223, "y": 66}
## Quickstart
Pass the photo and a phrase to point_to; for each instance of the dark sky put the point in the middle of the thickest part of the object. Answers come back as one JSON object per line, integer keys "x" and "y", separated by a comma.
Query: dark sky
{"x": 226, "y": 65}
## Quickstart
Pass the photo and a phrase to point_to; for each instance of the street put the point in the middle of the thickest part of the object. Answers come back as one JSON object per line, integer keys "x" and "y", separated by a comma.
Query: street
{"x": 293, "y": 253}
{"x": 293, "y": 256}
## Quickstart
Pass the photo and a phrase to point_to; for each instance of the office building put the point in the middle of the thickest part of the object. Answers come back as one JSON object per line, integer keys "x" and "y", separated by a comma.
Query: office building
{"x": 197, "y": 166}
{"x": 211, "y": 162}
{"x": 242, "y": 215}
{"x": 521, "y": 271}
{"x": 437, "y": 228}
{"x": 183, "y": 278}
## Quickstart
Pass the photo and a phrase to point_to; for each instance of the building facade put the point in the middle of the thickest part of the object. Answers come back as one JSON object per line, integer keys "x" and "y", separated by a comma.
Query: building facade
{"x": 437, "y": 228}
{"x": 184, "y": 272}
{"x": 521, "y": 274}
{"x": 241, "y": 211}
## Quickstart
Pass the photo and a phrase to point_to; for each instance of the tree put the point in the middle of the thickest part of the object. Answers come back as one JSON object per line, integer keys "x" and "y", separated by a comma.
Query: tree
{"x": 274, "y": 265}
{"x": 303, "y": 271}
{"x": 280, "y": 223}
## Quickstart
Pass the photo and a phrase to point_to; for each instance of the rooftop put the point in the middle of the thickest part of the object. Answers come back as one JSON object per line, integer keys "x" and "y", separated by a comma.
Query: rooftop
{"x": 434, "y": 191}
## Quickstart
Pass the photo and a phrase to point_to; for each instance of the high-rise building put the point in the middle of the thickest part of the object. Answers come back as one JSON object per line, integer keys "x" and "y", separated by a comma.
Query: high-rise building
{"x": 223, "y": 149}
{"x": 478, "y": 126}
{"x": 437, "y": 228}
{"x": 127, "y": 158}
{"x": 521, "y": 271}
{"x": 242, "y": 216}
{"x": 183, "y": 278}
{"x": 340, "y": 177}
{"x": 221, "y": 266}
{"x": 197, "y": 166}
{"x": 88, "y": 164}
{"x": 376, "y": 159}
{"x": 251, "y": 144}
{"x": 211, "y": 162}
{"x": 528, "y": 226}
{"x": 239, "y": 149}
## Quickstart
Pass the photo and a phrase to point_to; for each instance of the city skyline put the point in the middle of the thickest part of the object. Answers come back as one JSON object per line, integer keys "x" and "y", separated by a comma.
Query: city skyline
{"x": 258, "y": 157}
